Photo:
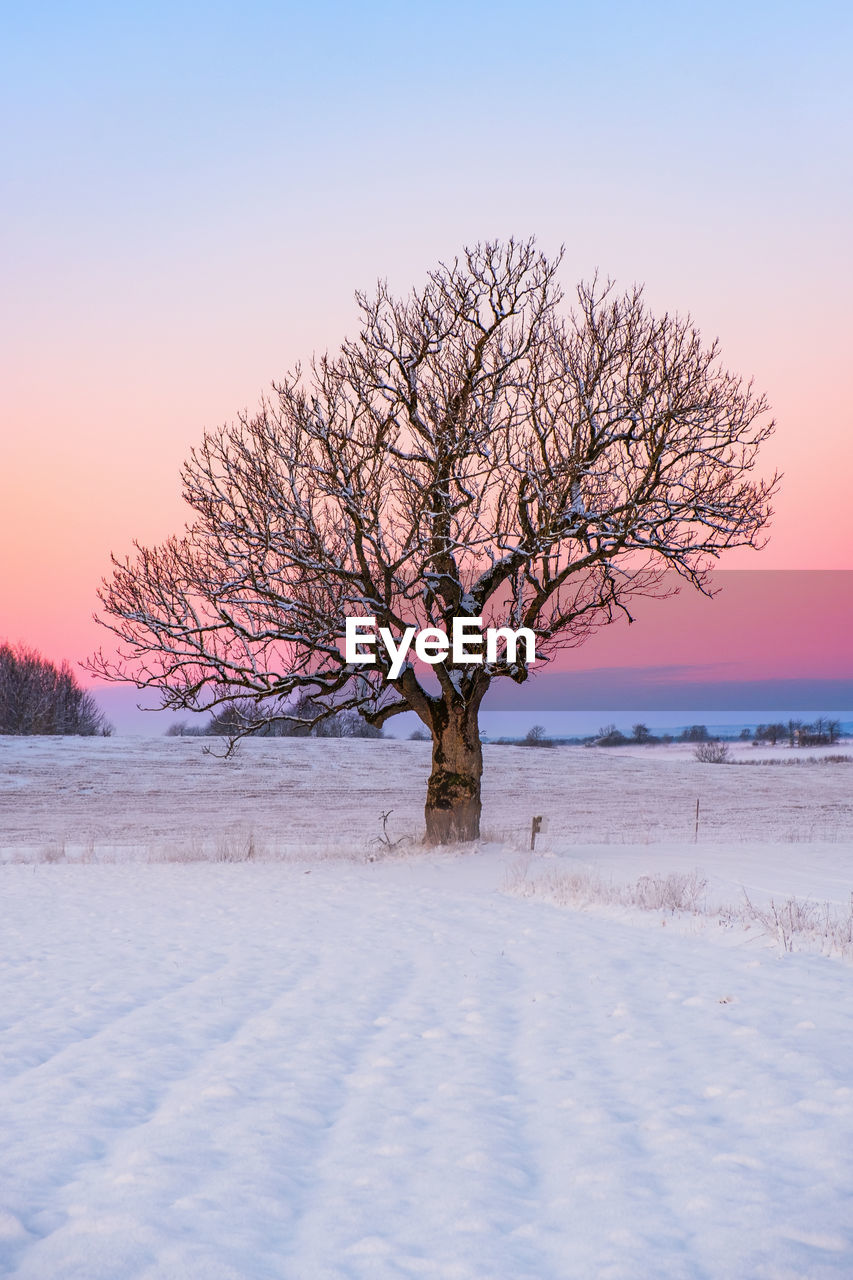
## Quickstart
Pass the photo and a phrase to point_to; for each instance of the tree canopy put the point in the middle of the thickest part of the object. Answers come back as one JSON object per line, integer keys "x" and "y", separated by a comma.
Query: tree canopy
{"x": 475, "y": 451}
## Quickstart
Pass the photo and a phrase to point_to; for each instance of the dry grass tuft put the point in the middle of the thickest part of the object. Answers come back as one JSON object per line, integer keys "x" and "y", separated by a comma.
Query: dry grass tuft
{"x": 793, "y": 925}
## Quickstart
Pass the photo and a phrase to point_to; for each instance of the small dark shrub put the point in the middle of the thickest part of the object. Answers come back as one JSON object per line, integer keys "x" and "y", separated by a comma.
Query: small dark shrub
{"x": 535, "y": 737}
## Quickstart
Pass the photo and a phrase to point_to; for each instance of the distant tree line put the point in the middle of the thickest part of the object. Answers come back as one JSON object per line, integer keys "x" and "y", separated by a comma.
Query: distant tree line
{"x": 36, "y": 696}
{"x": 824, "y": 731}
{"x": 821, "y": 732}
{"x": 304, "y": 719}
{"x": 535, "y": 737}
{"x": 609, "y": 736}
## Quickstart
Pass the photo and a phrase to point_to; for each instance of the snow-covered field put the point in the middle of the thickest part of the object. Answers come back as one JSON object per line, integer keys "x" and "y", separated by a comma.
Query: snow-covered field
{"x": 156, "y": 797}
{"x": 328, "y": 1061}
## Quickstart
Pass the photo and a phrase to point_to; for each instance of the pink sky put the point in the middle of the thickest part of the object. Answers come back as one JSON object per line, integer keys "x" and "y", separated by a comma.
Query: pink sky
{"x": 761, "y": 625}
{"x": 186, "y": 223}
{"x": 93, "y": 462}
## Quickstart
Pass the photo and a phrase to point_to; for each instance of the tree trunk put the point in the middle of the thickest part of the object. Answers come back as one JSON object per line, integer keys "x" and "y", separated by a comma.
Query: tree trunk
{"x": 453, "y": 794}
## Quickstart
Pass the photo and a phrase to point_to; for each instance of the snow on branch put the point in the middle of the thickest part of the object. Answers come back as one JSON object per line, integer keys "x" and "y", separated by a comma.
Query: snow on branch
{"x": 475, "y": 450}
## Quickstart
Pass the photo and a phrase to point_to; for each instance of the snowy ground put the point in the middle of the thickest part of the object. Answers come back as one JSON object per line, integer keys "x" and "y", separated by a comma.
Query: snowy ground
{"x": 317, "y": 1066}
{"x": 156, "y": 797}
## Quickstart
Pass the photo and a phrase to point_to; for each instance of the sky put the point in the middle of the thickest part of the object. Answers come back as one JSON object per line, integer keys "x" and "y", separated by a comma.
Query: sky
{"x": 190, "y": 195}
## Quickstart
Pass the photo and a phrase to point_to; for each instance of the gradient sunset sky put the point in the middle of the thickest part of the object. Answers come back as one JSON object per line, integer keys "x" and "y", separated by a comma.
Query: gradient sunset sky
{"x": 191, "y": 194}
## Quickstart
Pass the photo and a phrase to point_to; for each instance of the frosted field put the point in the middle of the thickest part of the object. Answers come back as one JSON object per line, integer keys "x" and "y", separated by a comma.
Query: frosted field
{"x": 162, "y": 797}
{"x": 314, "y": 1065}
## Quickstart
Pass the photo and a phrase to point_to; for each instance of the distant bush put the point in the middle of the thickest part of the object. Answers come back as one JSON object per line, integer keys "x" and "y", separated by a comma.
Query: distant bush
{"x": 36, "y": 696}
{"x": 609, "y": 736}
{"x": 277, "y": 721}
{"x": 183, "y": 729}
{"x": 232, "y": 719}
{"x": 823, "y": 732}
{"x": 712, "y": 753}
{"x": 771, "y": 733}
{"x": 536, "y": 737}
{"x": 696, "y": 733}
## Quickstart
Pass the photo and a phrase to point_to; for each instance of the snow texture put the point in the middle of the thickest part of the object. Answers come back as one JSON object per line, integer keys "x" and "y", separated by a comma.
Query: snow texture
{"x": 323, "y": 1068}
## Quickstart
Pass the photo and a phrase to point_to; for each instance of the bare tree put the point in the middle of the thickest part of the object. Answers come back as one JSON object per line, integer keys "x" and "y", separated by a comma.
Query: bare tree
{"x": 536, "y": 737}
{"x": 472, "y": 453}
{"x": 609, "y": 736}
{"x": 695, "y": 733}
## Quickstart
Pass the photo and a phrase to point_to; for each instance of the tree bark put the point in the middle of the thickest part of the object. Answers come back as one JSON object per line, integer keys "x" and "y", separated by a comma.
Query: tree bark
{"x": 453, "y": 795}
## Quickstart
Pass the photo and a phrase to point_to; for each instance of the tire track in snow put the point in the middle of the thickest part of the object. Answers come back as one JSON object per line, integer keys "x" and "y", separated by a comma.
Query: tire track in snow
{"x": 264, "y": 1065}
{"x": 400, "y": 1073}
{"x": 102, "y": 1091}
{"x": 677, "y": 1109}
{"x": 429, "y": 1162}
